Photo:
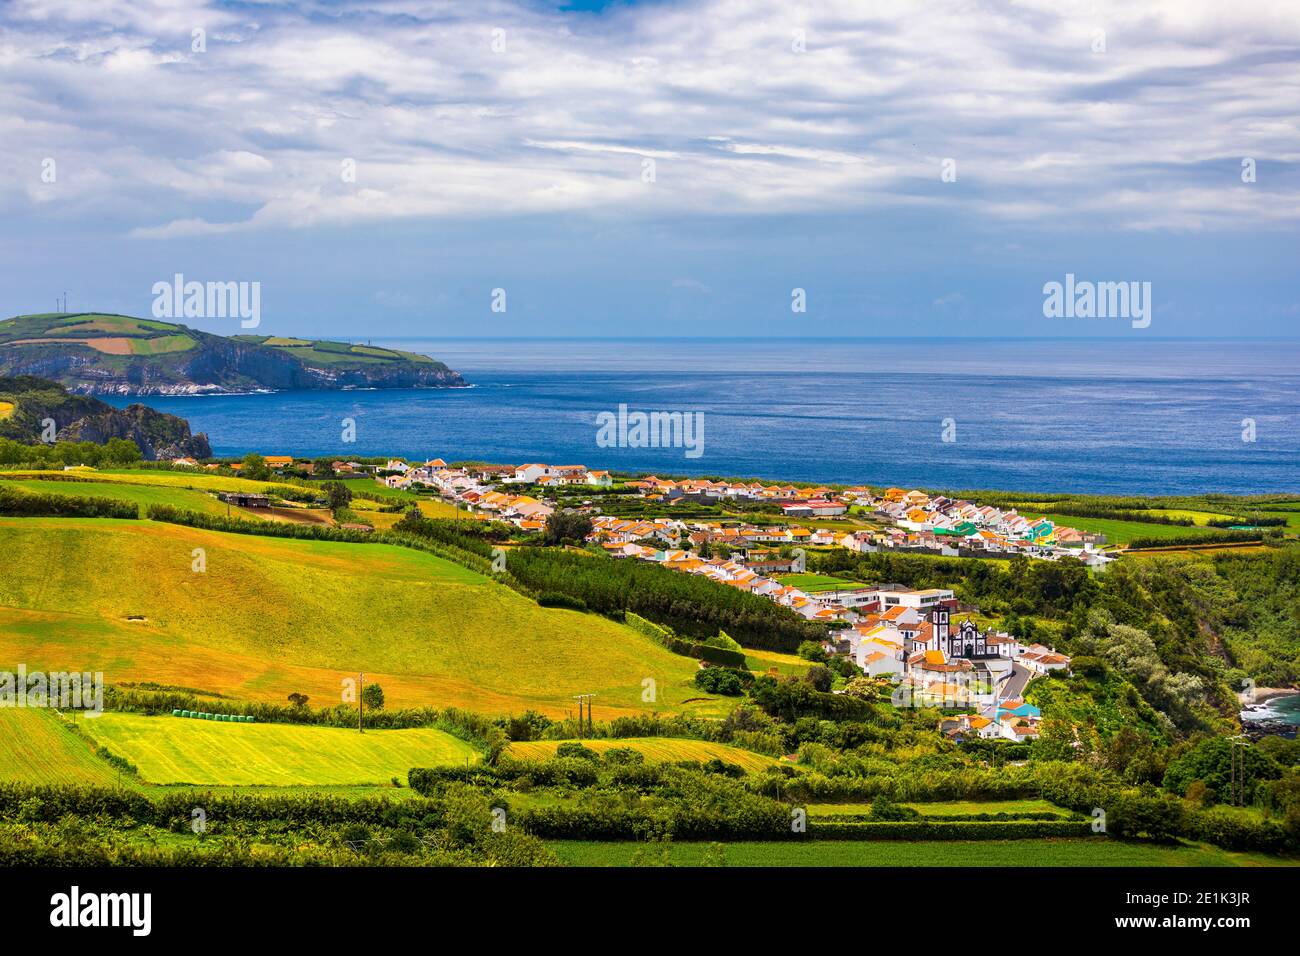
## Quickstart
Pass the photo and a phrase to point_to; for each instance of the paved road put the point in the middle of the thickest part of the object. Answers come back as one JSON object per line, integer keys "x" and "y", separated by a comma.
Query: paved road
{"x": 1015, "y": 685}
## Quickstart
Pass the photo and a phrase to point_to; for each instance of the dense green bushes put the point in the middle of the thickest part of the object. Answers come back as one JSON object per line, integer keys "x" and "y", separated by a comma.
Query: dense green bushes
{"x": 39, "y": 505}
{"x": 714, "y": 653}
{"x": 94, "y": 827}
{"x": 1204, "y": 537}
{"x": 720, "y": 680}
{"x": 1214, "y": 764}
{"x": 926, "y": 829}
{"x": 692, "y": 605}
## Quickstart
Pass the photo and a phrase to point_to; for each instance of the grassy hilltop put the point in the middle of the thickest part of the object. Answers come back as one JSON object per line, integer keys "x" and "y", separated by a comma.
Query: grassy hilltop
{"x": 93, "y": 352}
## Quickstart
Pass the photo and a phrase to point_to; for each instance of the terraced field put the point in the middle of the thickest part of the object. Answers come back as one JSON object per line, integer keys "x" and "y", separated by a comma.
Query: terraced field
{"x": 656, "y": 750}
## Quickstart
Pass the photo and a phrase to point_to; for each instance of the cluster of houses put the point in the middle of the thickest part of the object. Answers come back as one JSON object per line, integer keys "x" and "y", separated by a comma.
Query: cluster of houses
{"x": 951, "y": 524}
{"x": 474, "y": 488}
{"x": 934, "y": 660}
{"x": 907, "y": 636}
{"x": 1010, "y": 719}
{"x": 917, "y": 522}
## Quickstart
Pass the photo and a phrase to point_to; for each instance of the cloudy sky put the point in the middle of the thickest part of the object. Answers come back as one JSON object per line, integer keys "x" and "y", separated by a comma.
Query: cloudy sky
{"x": 656, "y": 168}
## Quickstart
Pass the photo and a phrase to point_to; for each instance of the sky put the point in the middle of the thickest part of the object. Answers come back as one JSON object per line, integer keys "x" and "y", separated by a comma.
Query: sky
{"x": 656, "y": 168}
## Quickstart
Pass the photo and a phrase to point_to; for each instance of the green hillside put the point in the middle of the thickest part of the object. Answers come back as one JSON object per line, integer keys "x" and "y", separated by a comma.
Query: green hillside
{"x": 273, "y": 616}
{"x": 98, "y": 352}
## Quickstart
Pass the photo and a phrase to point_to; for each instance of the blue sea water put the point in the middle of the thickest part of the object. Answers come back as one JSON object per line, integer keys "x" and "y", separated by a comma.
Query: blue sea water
{"x": 1108, "y": 416}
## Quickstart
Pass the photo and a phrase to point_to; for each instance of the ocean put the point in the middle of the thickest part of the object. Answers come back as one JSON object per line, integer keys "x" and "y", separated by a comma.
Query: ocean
{"x": 1140, "y": 416}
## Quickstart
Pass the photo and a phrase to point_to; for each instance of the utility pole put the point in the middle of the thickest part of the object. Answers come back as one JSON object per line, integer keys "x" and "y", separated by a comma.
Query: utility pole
{"x": 590, "y": 727}
{"x": 1237, "y": 770}
{"x": 361, "y": 701}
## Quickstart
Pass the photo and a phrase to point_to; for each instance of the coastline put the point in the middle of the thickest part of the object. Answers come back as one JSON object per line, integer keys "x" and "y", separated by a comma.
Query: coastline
{"x": 1264, "y": 694}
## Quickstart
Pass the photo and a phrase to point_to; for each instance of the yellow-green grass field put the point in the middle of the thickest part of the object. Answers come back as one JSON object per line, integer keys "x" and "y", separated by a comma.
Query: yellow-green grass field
{"x": 142, "y": 495}
{"x": 162, "y": 344}
{"x": 655, "y": 749}
{"x": 272, "y": 616}
{"x": 788, "y": 665}
{"x": 812, "y": 583}
{"x": 178, "y": 750}
{"x": 36, "y": 748}
{"x": 1083, "y": 851}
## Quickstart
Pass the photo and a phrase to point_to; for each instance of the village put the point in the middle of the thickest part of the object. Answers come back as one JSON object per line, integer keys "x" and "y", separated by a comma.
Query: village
{"x": 914, "y": 639}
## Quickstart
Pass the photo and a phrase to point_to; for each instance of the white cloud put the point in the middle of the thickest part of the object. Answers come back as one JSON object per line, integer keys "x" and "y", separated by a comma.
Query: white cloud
{"x": 250, "y": 134}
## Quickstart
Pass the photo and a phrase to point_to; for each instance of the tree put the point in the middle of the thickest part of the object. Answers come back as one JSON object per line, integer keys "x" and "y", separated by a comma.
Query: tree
{"x": 122, "y": 450}
{"x": 338, "y": 494}
{"x": 820, "y": 677}
{"x": 813, "y": 651}
{"x": 255, "y": 467}
{"x": 372, "y": 696}
{"x": 298, "y": 700}
{"x": 322, "y": 467}
{"x": 564, "y": 526}
{"x": 1221, "y": 766}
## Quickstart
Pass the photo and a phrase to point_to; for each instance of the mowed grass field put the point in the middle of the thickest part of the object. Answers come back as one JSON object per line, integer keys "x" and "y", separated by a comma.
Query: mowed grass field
{"x": 813, "y": 583}
{"x": 142, "y": 495}
{"x": 273, "y": 616}
{"x": 788, "y": 665}
{"x": 36, "y": 748}
{"x": 177, "y": 750}
{"x": 1099, "y": 851}
{"x": 656, "y": 750}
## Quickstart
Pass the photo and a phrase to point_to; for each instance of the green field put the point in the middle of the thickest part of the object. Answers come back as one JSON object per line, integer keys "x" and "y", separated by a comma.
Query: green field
{"x": 271, "y": 616}
{"x": 964, "y": 853}
{"x": 656, "y": 750}
{"x": 143, "y": 495}
{"x": 1118, "y": 532}
{"x": 813, "y": 583}
{"x": 177, "y": 750}
{"x": 786, "y": 664}
{"x": 162, "y": 344}
{"x": 340, "y": 353}
{"x": 163, "y": 479}
{"x": 36, "y": 748}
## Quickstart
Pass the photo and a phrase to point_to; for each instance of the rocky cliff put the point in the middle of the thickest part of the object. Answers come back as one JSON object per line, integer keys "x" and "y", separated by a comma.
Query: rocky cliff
{"x": 31, "y": 402}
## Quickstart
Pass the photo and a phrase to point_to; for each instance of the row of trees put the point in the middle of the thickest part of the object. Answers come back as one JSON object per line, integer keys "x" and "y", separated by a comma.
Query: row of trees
{"x": 116, "y": 451}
